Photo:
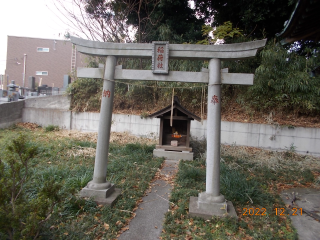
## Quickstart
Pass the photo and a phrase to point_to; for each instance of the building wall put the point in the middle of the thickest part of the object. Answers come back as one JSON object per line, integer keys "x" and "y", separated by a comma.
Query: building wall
{"x": 57, "y": 61}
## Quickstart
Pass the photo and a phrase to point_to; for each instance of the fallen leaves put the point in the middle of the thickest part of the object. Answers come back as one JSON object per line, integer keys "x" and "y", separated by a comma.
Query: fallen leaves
{"x": 27, "y": 125}
{"x": 106, "y": 226}
{"x": 119, "y": 223}
{"x": 82, "y": 151}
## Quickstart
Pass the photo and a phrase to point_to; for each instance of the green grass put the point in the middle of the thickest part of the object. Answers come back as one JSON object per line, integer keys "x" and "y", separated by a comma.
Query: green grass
{"x": 131, "y": 167}
{"x": 237, "y": 187}
{"x": 249, "y": 181}
{"x": 51, "y": 128}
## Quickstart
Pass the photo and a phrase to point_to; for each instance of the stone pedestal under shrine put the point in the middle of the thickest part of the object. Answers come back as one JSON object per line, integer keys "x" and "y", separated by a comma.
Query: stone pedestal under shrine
{"x": 174, "y": 141}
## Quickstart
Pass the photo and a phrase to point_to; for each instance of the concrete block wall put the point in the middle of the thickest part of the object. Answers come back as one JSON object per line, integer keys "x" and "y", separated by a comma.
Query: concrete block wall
{"x": 48, "y": 110}
{"x": 61, "y": 102}
{"x": 10, "y": 113}
{"x": 45, "y": 117}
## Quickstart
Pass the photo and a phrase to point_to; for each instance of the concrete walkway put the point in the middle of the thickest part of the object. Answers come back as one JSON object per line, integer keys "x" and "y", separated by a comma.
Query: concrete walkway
{"x": 308, "y": 199}
{"x": 147, "y": 224}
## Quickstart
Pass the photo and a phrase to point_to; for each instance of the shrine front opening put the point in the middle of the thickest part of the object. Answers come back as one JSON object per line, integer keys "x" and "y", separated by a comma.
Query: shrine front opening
{"x": 211, "y": 202}
{"x": 178, "y": 132}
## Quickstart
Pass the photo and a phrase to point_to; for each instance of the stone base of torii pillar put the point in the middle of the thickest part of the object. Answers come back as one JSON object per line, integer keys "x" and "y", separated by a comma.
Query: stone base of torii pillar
{"x": 204, "y": 207}
{"x": 211, "y": 202}
{"x": 101, "y": 196}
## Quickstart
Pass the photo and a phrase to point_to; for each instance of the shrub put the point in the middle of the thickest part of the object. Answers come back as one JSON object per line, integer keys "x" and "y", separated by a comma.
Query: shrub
{"x": 51, "y": 128}
{"x": 22, "y": 215}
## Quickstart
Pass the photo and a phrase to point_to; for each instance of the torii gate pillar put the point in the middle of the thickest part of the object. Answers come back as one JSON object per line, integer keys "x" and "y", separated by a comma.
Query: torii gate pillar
{"x": 99, "y": 188}
{"x": 211, "y": 202}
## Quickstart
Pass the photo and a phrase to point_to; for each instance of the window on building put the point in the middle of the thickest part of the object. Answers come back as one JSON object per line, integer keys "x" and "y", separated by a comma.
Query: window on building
{"x": 42, "y": 73}
{"x": 42, "y": 49}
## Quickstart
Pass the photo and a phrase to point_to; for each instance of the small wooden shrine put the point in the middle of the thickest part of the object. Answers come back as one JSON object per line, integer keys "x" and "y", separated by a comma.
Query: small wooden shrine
{"x": 174, "y": 134}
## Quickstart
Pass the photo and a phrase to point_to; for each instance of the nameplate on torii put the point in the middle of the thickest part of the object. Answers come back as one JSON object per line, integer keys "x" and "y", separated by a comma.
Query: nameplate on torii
{"x": 160, "y": 57}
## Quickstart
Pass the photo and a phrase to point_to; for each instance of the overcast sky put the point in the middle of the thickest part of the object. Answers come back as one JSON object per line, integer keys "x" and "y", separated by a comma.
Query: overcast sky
{"x": 28, "y": 18}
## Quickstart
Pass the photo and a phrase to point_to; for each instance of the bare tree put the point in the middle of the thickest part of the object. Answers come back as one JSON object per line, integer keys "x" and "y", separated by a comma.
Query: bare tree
{"x": 95, "y": 22}
{"x": 106, "y": 20}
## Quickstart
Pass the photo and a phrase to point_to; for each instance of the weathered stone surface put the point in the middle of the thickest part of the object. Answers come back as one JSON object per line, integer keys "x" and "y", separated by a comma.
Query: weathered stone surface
{"x": 181, "y": 51}
{"x": 147, "y": 224}
{"x": 104, "y": 197}
{"x": 244, "y": 46}
{"x": 216, "y": 209}
{"x": 96, "y": 193}
{"x": 172, "y": 76}
{"x": 173, "y": 155}
{"x": 309, "y": 200}
{"x": 109, "y": 201}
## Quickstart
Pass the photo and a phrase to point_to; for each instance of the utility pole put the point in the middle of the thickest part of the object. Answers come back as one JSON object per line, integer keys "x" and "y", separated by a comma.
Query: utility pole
{"x": 24, "y": 72}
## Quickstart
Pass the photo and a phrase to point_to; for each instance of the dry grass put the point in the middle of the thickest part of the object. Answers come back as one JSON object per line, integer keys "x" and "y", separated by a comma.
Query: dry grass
{"x": 116, "y": 137}
{"x": 82, "y": 151}
{"x": 270, "y": 159}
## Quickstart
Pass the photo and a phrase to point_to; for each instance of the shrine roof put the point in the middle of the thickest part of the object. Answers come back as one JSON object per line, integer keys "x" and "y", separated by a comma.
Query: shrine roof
{"x": 176, "y": 105}
{"x": 304, "y": 23}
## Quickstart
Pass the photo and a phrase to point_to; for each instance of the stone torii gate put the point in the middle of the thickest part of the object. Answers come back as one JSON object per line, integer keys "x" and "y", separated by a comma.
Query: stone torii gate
{"x": 210, "y": 202}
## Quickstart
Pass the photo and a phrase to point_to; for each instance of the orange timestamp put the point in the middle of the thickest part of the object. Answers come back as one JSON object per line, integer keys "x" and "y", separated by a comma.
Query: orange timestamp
{"x": 254, "y": 212}
{"x": 262, "y": 211}
{"x": 295, "y": 211}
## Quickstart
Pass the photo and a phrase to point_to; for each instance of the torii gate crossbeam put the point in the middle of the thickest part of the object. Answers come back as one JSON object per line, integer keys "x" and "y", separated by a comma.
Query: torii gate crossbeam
{"x": 210, "y": 202}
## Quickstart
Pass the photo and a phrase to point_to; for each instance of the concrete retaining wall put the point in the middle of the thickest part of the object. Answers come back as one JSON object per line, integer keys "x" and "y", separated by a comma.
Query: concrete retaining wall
{"x": 10, "y": 113}
{"x": 273, "y": 137}
{"x": 61, "y": 102}
{"x": 53, "y": 110}
{"x": 305, "y": 140}
{"x": 49, "y": 110}
{"x": 45, "y": 117}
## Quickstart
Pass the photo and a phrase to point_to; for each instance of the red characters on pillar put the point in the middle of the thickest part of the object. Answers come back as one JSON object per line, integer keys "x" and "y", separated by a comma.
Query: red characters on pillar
{"x": 106, "y": 93}
{"x": 215, "y": 99}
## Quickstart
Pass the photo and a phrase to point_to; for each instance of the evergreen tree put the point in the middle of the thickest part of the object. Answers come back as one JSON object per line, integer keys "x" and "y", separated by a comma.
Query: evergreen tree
{"x": 257, "y": 18}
